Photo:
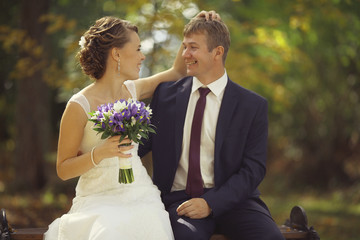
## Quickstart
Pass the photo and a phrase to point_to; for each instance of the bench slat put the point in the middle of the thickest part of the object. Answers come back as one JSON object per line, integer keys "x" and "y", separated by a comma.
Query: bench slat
{"x": 290, "y": 233}
{"x": 28, "y": 234}
{"x": 37, "y": 234}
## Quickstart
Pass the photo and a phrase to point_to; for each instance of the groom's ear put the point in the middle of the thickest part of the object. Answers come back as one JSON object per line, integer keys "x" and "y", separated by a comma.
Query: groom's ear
{"x": 219, "y": 52}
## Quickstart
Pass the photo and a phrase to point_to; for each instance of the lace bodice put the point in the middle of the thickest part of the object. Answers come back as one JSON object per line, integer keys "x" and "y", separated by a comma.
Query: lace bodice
{"x": 104, "y": 177}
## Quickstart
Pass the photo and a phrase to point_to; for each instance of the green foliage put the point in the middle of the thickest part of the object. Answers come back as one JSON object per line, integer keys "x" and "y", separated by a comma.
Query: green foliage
{"x": 322, "y": 122}
{"x": 303, "y": 57}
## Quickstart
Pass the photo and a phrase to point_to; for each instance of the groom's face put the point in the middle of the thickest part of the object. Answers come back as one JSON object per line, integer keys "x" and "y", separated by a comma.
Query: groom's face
{"x": 198, "y": 59}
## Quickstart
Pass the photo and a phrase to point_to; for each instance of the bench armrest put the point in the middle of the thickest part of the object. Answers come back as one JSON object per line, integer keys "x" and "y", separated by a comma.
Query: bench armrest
{"x": 4, "y": 227}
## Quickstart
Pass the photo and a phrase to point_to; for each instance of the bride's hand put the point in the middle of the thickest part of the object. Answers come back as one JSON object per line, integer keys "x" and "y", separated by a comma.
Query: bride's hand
{"x": 208, "y": 15}
{"x": 124, "y": 146}
{"x": 111, "y": 148}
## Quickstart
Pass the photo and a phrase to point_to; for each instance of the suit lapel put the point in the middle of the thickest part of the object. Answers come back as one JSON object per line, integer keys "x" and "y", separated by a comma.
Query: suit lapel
{"x": 227, "y": 108}
{"x": 182, "y": 99}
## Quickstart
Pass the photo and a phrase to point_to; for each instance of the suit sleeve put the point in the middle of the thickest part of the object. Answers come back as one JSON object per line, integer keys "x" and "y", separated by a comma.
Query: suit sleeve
{"x": 243, "y": 183}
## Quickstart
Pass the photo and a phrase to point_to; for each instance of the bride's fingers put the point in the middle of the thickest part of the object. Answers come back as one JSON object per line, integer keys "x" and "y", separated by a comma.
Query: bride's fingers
{"x": 125, "y": 141}
{"x": 122, "y": 151}
{"x": 116, "y": 139}
{"x": 214, "y": 15}
{"x": 202, "y": 14}
{"x": 124, "y": 148}
{"x": 124, "y": 155}
{"x": 209, "y": 15}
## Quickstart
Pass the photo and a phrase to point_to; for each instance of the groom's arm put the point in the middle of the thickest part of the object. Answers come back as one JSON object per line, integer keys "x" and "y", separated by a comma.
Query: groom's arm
{"x": 145, "y": 147}
{"x": 242, "y": 184}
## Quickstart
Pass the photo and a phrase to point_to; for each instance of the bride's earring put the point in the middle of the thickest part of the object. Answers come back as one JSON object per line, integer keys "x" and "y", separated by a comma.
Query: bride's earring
{"x": 118, "y": 66}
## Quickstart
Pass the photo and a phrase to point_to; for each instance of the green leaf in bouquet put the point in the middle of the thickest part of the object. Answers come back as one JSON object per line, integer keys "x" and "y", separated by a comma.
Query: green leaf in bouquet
{"x": 122, "y": 137}
{"x": 144, "y": 135}
{"x": 98, "y": 129}
{"x": 133, "y": 136}
{"x": 105, "y": 135}
{"x": 144, "y": 128}
{"x": 151, "y": 129}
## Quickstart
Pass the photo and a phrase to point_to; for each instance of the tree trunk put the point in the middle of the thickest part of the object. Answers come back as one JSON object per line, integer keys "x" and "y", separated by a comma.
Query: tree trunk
{"x": 32, "y": 106}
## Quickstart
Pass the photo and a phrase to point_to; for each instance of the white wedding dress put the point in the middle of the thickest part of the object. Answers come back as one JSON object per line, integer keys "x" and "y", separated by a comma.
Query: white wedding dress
{"x": 104, "y": 209}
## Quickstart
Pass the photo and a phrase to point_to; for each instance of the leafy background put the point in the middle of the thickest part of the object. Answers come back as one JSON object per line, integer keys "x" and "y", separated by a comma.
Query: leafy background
{"x": 302, "y": 55}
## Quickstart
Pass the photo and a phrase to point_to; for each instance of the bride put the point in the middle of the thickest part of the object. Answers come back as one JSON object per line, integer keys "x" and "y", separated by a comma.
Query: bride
{"x": 103, "y": 208}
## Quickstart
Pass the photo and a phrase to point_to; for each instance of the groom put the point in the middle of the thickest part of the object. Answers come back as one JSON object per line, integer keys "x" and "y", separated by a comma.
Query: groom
{"x": 209, "y": 152}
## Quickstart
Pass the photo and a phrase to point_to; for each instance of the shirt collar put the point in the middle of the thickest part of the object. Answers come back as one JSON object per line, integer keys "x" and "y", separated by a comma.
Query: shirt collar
{"x": 215, "y": 87}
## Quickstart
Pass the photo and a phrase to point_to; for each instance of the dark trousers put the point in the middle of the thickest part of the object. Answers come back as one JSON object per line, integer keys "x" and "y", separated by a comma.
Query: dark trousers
{"x": 243, "y": 223}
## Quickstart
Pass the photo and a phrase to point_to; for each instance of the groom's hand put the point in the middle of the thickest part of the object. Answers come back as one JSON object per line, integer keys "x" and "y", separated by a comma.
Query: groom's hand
{"x": 195, "y": 208}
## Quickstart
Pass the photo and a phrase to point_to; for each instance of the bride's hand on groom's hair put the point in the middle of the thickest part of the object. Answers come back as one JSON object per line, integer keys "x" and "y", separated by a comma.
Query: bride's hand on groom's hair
{"x": 208, "y": 15}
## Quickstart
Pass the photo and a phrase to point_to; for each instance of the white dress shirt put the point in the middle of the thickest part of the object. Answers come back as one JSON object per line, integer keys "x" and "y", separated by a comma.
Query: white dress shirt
{"x": 208, "y": 128}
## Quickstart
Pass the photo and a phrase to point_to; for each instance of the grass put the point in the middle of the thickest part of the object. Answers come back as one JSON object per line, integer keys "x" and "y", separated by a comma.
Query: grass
{"x": 334, "y": 215}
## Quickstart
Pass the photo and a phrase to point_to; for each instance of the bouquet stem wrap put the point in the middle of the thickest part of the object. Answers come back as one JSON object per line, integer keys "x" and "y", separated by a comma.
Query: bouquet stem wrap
{"x": 126, "y": 174}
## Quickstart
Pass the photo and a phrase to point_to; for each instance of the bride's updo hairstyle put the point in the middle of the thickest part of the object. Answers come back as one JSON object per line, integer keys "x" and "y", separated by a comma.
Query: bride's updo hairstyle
{"x": 95, "y": 44}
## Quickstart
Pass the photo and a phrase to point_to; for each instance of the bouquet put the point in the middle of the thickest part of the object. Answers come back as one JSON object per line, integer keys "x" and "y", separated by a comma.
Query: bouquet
{"x": 130, "y": 119}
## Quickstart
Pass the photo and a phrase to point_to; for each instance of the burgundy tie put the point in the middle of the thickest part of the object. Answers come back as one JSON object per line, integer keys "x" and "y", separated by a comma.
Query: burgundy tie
{"x": 194, "y": 185}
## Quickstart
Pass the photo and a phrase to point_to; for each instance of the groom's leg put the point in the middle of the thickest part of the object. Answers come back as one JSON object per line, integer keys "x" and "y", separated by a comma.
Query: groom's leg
{"x": 249, "y": 223}
{"x": 185, "y": 228}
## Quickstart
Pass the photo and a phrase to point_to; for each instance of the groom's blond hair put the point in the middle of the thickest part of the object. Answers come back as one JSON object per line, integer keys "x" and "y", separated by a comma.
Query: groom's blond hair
{"x": 216, "y": 31}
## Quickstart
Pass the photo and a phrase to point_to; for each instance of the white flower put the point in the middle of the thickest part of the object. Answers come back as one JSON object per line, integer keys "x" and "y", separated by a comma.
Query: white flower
{"x": 82, "y": 42}
{"x": 119, "y": 106}
{"x": 149, "y": 109}
{"x": 106, "y": 114}
{"x": 138, "y": 105}
{"x": 133, "y": 121}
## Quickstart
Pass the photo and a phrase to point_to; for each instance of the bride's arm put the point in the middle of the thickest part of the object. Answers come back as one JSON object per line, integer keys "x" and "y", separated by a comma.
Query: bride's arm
{"x": 145, "y": 87}
{"x": 69, "y": 163}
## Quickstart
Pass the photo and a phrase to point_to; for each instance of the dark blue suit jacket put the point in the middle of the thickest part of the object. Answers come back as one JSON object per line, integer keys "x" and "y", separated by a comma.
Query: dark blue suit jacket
{"x": 240, "y": 144}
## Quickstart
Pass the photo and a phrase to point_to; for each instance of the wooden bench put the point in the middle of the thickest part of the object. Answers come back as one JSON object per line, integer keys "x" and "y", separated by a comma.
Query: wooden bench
{"x": 294, "y": 228}
{"x": 37, "y": 234}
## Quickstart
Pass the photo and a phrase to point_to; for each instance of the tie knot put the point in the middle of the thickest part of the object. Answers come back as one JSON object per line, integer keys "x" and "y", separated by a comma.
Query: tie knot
{"x": 203, "y": 91}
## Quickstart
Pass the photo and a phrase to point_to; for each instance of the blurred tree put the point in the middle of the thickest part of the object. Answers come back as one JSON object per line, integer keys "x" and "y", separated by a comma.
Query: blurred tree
{"x": 39, "y": 45}
{"x": 324, "y": 118}
{"x": 304, "y": 57}
{"x": 32, "y": 95}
